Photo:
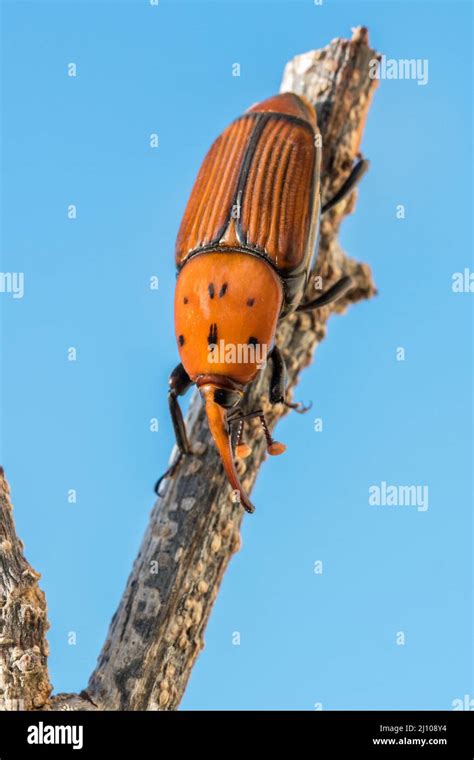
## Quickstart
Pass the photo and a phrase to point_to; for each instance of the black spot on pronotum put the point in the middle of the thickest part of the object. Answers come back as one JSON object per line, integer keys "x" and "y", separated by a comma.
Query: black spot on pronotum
{"x": 250, "y": 301}
{"x": 185, "y": 300}
{"x": 252, "y": 341}
{"x": 212, "y": 337}
{"x": 223, "y": 290}
{"x": 210, "y": 288}
{"x": 181, "y": 340}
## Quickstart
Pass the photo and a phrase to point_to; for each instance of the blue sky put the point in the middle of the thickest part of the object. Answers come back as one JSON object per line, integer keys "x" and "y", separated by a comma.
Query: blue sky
{"x": 306, "y": 638}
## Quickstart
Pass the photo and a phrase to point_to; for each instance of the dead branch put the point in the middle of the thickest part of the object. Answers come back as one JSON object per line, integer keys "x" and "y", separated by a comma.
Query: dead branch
{"x": 158, "y": 630}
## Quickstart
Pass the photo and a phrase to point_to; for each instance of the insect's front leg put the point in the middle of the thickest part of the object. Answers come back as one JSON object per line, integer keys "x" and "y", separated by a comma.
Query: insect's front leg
{"x": 278, "y": 381}
{"x": 354, "y": 178}
{"x": 179, "y": 382}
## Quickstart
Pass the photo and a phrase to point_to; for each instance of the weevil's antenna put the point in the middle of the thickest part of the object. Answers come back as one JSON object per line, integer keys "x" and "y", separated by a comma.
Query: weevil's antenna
{"x": 242, "y": 449}
{"x": 273, "y": 447}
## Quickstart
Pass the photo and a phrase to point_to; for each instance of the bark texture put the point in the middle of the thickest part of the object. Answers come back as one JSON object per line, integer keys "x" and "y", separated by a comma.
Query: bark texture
{"x": 24, "y": 682}
{"x": 158, "y": 629}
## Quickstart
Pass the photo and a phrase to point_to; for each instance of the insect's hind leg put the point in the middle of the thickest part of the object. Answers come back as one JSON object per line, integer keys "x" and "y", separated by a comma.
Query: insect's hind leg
{"x": 341, "y": 287}
{"x": 179, "y": 382}
{"x": 354, "y": 178}
{"x": 335, "y": 292}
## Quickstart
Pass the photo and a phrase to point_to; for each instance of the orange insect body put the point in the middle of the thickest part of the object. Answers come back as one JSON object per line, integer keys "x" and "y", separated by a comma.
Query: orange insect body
{"x": 244, "y": 253}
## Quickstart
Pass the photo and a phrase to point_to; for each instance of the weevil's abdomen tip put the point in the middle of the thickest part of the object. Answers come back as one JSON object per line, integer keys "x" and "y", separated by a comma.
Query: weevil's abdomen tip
{"x": 242, "y": 450}
{"x": 276, "y": 448}
{"x": 288, "y": 103}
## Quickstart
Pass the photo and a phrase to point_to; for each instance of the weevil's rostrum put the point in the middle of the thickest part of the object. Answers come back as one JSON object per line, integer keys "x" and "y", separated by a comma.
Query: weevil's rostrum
{"x": 244, "y": 253}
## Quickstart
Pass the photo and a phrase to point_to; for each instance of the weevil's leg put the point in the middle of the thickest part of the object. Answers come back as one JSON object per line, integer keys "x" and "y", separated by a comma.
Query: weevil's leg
{"x": 168, "y": 474}
{"x": 278, "y": 383}
{"x": 332, "y": 294}
{"x": 354, "y": 177}
{"x": 298, "y": 406}
{"x": 234, "y": 417}
{"x": 179, "y": 382}
{"x": 278, "y": 378}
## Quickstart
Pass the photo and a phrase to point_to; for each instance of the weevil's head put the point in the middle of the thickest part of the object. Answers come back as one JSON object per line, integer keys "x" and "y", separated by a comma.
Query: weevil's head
{"x": 227, "y": 305}
{"x": 219, "y": 397}
{"x": 221, "y": 390}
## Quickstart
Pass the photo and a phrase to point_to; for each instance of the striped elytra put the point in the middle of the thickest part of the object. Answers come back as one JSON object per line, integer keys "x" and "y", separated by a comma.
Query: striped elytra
{"x": 257, "y": 188}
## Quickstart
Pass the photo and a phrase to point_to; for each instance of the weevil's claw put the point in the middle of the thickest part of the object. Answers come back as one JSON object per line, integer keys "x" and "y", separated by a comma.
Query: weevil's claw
{"x": 168, "y": 474}
{"x": 158, "y": 483}
{"x": 299, "y": 407}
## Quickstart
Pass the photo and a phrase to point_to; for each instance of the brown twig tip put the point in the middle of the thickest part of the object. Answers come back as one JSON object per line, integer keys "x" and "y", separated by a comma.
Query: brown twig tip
{"x": 4, "y": 485}
{"x": 360, "y": 34}
{"x": 187, "y": 534}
